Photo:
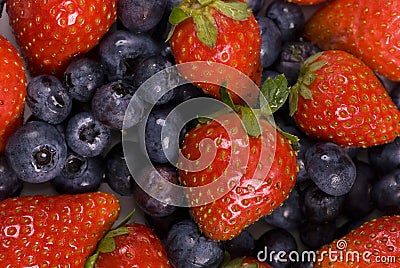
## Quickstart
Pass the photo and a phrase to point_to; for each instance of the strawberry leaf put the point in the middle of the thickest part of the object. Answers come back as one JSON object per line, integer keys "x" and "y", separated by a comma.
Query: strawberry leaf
{"x": 91, "y": 261}
{"x": 293, "y": 100}
{"x": 250, "y": 121}
{"x": 226, "y": 97}
{"x": 206, "y": 28}
{"x": 276, "y": 92}
{"x": 235, "y": 9}
{"x": 177, "y": 16}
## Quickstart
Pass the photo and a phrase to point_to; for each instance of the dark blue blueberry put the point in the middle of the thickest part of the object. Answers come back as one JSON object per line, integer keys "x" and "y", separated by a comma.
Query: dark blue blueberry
{"x": 10, "y": 184}
{"x": 358, "y": 202}
{"x": 36, "y": 152}
{"x": 315, "y": 235}
{"x": 117, "y": 174}
{"x": 395, "y": 95}
{"x": 140, "y": 15}
{"x": 161, "y": 136}
{"x": 120, "y": 51}
{"x": 271, "y": 41}
{"x": 82, "y": 77}
{"x": 289, "y": 215}
{"x": 79, "y": 174}
{"x": 186, "y": 92}
{"x": 319, "y": 206}
{"x": 154, "y": 178}
{"x": 161, "y": 30}
{"x": 330, "y": 167}
{"x": 274, "y": 247}
{"x": 158, "y": 92}
{"x": 48, "y": 99}
{"x": 188, "y": 248}
{"x": 386, "y": 193}
{"x": 255, "y": 5}
{"x": 292, "y": 57}
{"x": 348, "y": 226}
{"x": 288, "y": 17}
{"x": 308, "y": 262}
{"x": 86, "y": 135}
{"x": 111, "y": 105}
{"x": 386, "y": 157}
{"x": 240, "y": 246}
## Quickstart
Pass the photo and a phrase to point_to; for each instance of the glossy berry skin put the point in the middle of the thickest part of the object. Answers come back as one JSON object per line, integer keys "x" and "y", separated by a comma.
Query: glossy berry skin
{"x": 338, "y": 98}
{"x": 385, "y": 158}
{"x": 241, "y": 245}
{"x": 380, "y": 236}
{"x": 187, "y": 247}
{"x": 60, "y": 230}
{"x": 36, "y": 152}
{"x": 140, "y": 247}
{"x": 288, "y": 17}
{"x": 82, "y": 77}
{"x": 139, "y": 15}
{"x": 79, "y": 174}
{"x": 237, "y": 45}
{"x": 110, "y": 105}
{"x": 330, "y": 167}
{"x": 386, "y": 192}
{"x": 271, "y": 41}
{"x": 51, "y": 33}
{"x": 87, "y": 136}
{"x": 274, "y": 241}
{"x": 12, "y": 91}
{"x": 243, "y": 204}
{"x": 329, "y": 29}
{"x": 48, "y": 99}
{"x": 10, "y": 184}
{"x": 315, "y": 235}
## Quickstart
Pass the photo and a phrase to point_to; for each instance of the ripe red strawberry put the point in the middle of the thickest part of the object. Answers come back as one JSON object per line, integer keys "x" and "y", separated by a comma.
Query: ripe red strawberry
{"x": 366, "y": 29}
{"x": 54, "y": 231}
{"x": 12, "y": 91}
{"x": 338, "y": 98}
{"x": 139, "y": 247}
{"x": 375, "y": 244}
{"x": 219, "y": 31}
{"x": 239, "y": 175}
{"x": 245, "y": 262}
{"x": 51, "y": 32}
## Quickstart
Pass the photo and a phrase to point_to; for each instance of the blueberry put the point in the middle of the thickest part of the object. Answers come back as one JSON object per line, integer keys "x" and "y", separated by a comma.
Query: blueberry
{"x": 330, "y": 167}
{"x": 289, "y": 215}
{"x": 86, "y": 136}
{"x": 386, "y": 193}
{"x": 358, "y": 202}
{"x": 36, "y": 152}
{"x": 120, "y": 51}
{"x": 161, "y": 136}
{"x": 240, "y": 246}
{"x": 161, "y": 30}
{"x": 48, "y": 99}
{"x": 145, "y": 70}
{"x": 395, "y": 95}
{"x": 386, "y": 157}
{"x": 117, "y": 174}
{"x": 188, "y": 248}
{"x": 111, "y": 105}
{"x": 154, "y": 178}
{"x": 10, "y": 184}
{"x": 348, "y": 226}
{"x": 315, "y": 235}
{"x": 186, "y": 92}
{"x": 79, "y": 174}
{"x": 288, "y": 17}
{"x": 274, "y": 247}
{"x": 292, "y": 57}
{"x": 319, "y": 206}
{"x": 304, "y": 263}
{"x": 271, "y": 41}
{"x": 255, "y": 5}
{"x": 82, "y": 77}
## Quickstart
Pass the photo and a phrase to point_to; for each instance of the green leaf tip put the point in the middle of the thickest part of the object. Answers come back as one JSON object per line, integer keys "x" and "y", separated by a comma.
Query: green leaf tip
{"x": 275, "y": 93}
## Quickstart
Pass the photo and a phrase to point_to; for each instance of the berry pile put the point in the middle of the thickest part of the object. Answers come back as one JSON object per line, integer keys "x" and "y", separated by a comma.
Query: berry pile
{"x": 301, "y": 154}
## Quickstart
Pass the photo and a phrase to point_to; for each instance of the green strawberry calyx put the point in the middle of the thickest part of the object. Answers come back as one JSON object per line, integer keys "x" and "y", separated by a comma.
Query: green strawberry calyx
{"x": 306, "y": 78}
{"x": 236, "y": 262}
{"x": 201, "y": 13}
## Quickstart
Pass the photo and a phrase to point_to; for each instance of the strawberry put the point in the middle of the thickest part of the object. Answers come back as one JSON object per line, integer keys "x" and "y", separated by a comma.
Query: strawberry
{"x": 133, "y": 245}
{"x": 236, "y": 174}
{"x": 338, "y": 98}
{"x": 245, "y": 262}
{"x": 374, "y": 244}
{"x": 367, "y": 29}
{"x": 54, "y": 231}
{"x": 51, "y": 32}
{"x": 12, "y": 91}
{"x": 218, "y": 31}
